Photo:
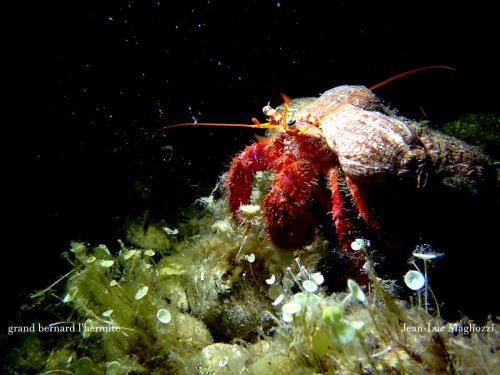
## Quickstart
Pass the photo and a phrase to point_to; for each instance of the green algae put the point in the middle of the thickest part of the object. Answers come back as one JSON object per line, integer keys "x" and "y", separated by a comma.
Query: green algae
{"x": 209, "y": 296}
{"x": 224, "y": 301}
{"x": 482, "y": 130}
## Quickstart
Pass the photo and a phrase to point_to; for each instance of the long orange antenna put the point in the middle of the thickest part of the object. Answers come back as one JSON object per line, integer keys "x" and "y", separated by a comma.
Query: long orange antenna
{"x": 256, "y": 125}
{"x": 409, "y": 73}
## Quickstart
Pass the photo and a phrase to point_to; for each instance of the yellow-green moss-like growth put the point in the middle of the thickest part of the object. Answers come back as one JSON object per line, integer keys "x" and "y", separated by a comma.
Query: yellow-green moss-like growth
{"x": 220, "y": 299}
{"x": 482, "y": 130}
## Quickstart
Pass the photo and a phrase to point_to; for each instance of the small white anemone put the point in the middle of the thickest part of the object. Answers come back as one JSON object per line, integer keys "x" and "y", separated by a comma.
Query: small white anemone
{"x": 250, "y": 258}
{"x": 164, "y": 316}
{"x": 271, "y": 280}
{"x": 291, "y": 308}
{"x": 356, "y": 291}
{"x": 359, "y": 244}
{"x": 107, "y": 313}
{"x": 141, "y": 292}
{"x": 106, "y": 263}
{"x": 310, "y": 286}
{"x": 318, "y": 278}
{"x": 278, "y": 300}
{"x": 427, "y": 256}
{"x": 414, "y": 280}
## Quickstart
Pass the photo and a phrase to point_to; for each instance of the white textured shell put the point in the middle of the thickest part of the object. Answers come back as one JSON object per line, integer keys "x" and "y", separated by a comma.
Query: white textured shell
{"x": 368, "y": 143}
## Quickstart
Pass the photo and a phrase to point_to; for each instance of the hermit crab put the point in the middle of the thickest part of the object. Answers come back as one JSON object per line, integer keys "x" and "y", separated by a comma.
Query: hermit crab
{"x": 334, "y": 151}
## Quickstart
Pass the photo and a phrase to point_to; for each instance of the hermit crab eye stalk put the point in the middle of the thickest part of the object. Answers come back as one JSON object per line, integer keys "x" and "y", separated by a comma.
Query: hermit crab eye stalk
{"x": 267, "y": 109}
{"x": 290, "y": 126}
{"x": 272, "y": 115}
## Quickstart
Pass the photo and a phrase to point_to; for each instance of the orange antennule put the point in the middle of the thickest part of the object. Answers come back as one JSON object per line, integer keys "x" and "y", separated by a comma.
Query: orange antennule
{"x": 286, "y": 100}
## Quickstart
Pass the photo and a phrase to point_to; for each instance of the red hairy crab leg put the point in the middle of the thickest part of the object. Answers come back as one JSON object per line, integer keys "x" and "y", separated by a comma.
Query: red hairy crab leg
{"x": 376, "y": 86}
{"x": 361, "y": 204}
{"x": 343, "y": 224}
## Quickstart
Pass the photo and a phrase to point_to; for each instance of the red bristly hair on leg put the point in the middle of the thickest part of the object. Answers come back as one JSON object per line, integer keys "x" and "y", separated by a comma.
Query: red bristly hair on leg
{"x": 344, "y": 227}
{"x": 361, "y": 204}
{"x": 241, "y": 174}
{"x": 290, "y": 222}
